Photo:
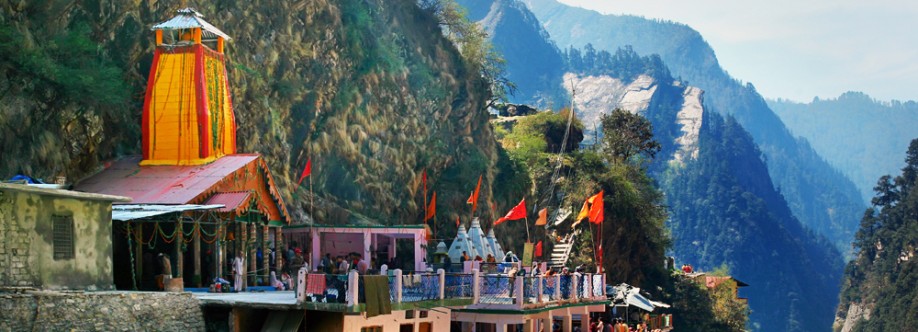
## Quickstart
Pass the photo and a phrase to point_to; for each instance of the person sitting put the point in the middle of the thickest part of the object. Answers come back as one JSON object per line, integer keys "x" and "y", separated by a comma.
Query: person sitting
{"x": 478, "y": 258}
{"x": 491, "y": 259}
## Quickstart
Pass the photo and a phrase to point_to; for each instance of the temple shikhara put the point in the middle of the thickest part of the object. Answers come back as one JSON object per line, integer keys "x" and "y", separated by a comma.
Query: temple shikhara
{"x": 193, "y": 214}
{"x": 195, "y": 200}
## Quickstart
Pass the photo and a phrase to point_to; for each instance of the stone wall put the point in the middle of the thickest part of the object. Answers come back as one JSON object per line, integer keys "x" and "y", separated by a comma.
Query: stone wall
{"x": 100, "y": 311}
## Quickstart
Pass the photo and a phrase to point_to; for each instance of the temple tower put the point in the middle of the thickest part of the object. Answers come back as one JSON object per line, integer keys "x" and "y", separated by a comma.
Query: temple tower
{"x": 187, "y": 112}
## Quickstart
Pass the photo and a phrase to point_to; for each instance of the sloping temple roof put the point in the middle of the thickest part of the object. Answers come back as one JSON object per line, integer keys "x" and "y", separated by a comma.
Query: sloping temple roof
{"x": 189, "y": 18}
{"x": 173, "y": 184}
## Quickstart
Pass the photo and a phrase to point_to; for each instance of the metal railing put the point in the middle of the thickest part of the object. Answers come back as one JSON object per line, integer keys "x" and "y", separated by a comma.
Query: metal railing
{"x": 458, "y": 285}
{"x": 420, "y": 287}
{"x": 490, "y": 290}
{"x": 496, "y": 289}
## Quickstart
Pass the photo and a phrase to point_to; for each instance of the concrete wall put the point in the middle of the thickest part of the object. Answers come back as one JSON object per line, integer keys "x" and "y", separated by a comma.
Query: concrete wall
{"x": 439, "y": 319}
{"x": 26, "y": 252}
{"x": 100, "y": 311}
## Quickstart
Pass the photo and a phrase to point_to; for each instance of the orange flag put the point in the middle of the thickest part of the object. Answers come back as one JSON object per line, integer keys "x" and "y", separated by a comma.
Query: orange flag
{"x": 432, "y": 207}
{"x": 597, "y": 209}
{"x": 306, "y": 171}
{"x": 473, "y": 199}
{"x": 457, "y": 222}
{"x": 517, "y": 212}
{"x": 543, "y": 217}
{"x": 584, "y": 212}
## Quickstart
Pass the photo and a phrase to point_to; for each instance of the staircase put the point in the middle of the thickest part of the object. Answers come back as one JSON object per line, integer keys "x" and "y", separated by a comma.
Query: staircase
{"x": 562, "y": 250}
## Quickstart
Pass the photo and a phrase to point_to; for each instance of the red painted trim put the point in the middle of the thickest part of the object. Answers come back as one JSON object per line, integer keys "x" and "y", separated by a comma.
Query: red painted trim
{"x": 204, "y": 141}
{"x": 145, "y": 119}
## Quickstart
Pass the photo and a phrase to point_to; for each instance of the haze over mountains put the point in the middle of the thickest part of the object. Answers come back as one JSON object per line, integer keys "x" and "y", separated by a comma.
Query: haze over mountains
{"x": 861, "y": 136}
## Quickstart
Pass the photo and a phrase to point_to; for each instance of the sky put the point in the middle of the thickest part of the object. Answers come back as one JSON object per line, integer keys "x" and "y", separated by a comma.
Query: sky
{"x": 799, "y": 50}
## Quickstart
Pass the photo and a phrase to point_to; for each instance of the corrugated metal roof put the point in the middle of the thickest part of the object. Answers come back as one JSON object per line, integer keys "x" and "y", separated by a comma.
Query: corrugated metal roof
{"x": 188, "y": 18}
{"x": 127, "y": 212}
{"x": 62, "y": 193}
{"x": 162, "y": 184}
{"x": 232, "y": 202}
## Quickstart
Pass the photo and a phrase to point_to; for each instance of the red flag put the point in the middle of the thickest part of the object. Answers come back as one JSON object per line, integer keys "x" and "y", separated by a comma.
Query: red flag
{"x": 432, "y": 207}
{"x": 517, "y": 212}
{"x": 457, "y": 222}
{"x": 538, "y": 249}
{"x": 597, "y": 209}
{"x": 306, "y": 171}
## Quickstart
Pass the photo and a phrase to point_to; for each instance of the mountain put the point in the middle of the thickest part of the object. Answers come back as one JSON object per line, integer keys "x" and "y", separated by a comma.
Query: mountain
{"x": 371, "y": 91}
{"x": 860, "y": 136}
{"x": 820, "y": 196}
{"x": 724, "y": 209}
{"x": 879, "y": 292}
{"x": 520, "y": 38}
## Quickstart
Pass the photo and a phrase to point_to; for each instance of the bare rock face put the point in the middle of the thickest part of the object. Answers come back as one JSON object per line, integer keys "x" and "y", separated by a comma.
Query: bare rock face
{"x": 597, "y": 95}
{"x": 856, "y": 312}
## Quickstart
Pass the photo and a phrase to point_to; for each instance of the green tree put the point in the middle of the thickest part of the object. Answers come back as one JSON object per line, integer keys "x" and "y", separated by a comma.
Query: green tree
{"x": 627, "y": 136}
{"x": 472, "y": 41}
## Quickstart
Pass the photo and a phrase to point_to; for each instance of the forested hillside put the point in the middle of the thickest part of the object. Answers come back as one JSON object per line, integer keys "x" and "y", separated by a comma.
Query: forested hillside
{"x": 724, "y": 209}
{"x": 879, "y": 292}
{"x": 821, "y": 197}
{"x": 860, "y": 136}
{"x": 371, "y": 91}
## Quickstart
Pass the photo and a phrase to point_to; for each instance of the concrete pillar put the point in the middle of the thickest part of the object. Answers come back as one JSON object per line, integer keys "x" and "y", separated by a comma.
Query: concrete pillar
{"x": 557, "y": 287}
{"x": 138, "y": 250}
{"x": 419, "y": 252}
{"x": 529, "y": 325}
{"x": 241, "y": 239}
{"x": 365, "y": 249}
{"x": 279, "y": 251}
{"x": 219, "y": 255}
{"x": 179, "y": 255}
{"x": 518, "y": 288}
{"x": 301, "y": 285}
{"x": 501, "y": 327}
{"x": 196, "y": 250}
{"x": 315, "y": 254}
{"x": 265, "y": 254}
{"x": 441, "y": 281}
{"x": 546, "y": 322}
{"x": 585, "y": 319}
{"x": 567, "y": 323}
{"x": 476, "y": 287}
{"x": 251, "y": 258}
{"x": 398, "y": 285}
{"x": 352, "y": 285}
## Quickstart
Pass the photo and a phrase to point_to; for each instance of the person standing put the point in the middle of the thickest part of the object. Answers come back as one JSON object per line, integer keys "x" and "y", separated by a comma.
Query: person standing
{"x": 239, "y": 272}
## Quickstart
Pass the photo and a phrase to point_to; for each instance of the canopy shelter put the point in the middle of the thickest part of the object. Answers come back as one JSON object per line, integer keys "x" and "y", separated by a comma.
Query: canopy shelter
{"x": 377, "y": 244}
{"x": 223, "y": 208}
{"x": 630, "y": 296}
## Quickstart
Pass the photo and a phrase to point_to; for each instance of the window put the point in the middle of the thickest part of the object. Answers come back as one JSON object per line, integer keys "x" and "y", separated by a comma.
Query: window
{"x": 422, "y": 314}
{"x": 62, "y": 239}
{"x": 409, "y": 314}
{"x": 371, "y": 329}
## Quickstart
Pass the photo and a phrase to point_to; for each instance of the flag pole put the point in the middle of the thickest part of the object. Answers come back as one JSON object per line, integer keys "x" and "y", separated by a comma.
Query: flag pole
{"x": 527, "y": 230}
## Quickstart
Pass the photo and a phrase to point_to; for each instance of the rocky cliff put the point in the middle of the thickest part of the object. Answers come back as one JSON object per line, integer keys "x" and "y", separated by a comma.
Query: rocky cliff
{"x": 368, "y": 89}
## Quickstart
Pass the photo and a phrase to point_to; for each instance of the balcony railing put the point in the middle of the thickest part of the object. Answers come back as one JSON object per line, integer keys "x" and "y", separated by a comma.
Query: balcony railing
{"x": 471, "y": 290}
